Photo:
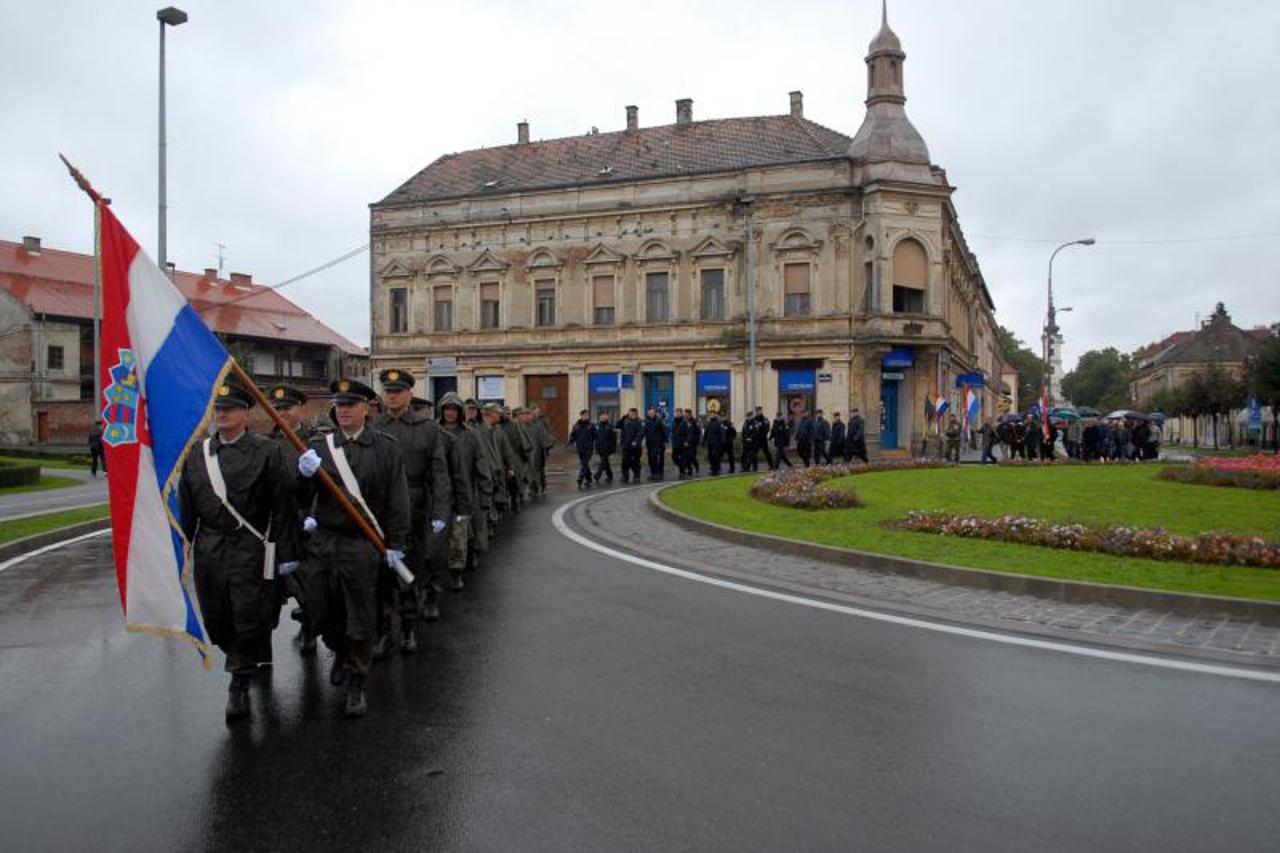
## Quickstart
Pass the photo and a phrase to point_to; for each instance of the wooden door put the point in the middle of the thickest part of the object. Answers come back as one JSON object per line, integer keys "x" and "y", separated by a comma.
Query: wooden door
{"x": 42, "y": 427}
{"x": 551, "y": 392}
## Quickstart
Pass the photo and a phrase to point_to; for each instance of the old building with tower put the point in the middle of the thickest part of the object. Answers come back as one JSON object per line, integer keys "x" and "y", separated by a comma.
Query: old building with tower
{"x": 630, "y": 268}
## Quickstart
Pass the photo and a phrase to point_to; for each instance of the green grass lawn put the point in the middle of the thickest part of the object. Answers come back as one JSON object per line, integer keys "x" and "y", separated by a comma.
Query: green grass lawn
{"x": 45, "y": 483}
{"x": 1092, "y": 495}
{"x": 46, "y": 463}
{"x": 11, "y": 530}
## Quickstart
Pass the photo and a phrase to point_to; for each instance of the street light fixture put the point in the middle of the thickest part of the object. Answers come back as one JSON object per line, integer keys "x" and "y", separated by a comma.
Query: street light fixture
{"x": 168, "y": 16}
{"x": 1051, "y": 323}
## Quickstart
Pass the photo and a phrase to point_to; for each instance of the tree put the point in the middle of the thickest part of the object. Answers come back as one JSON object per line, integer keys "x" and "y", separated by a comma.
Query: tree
{"x": 1262, "y": 378}
{"x": 1101, "y": 380}
{"x": 1027, "y": 364}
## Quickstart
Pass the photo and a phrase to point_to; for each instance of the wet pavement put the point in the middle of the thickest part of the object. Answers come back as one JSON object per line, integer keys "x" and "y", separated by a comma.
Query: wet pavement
{"x": 87, "y": 492}
{"x": 570, "y": 701}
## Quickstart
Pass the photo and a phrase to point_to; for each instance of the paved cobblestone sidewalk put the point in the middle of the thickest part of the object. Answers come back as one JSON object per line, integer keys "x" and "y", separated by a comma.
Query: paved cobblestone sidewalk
{"x": 625, "y": 519}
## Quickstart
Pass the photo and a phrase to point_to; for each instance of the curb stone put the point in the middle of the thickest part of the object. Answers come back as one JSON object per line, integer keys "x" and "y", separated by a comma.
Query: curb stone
{"x": 1056, "y": 589}
{"x": 26, "y": 544}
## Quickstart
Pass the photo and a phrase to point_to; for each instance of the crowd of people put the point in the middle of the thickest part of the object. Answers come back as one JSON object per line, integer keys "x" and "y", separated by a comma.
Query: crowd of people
{"x": 817, "y": 441}
{"x": 432, "y": 487}
{"x": 1132, "y": 437}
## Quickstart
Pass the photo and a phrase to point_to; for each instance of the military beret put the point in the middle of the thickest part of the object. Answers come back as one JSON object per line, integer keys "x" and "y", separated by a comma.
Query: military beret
{"x": 395, "y": 379}
{"x": 284, "y": 396}
{"x": 351, "y": 391}
{"x": 232, "y": 395}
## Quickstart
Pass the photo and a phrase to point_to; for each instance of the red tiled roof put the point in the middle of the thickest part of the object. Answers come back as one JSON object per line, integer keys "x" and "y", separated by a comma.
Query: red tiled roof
{"x": 702, "y": 147}
{"x": 60, "y": 284}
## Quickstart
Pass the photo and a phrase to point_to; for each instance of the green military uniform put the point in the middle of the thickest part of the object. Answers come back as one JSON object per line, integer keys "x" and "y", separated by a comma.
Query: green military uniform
{"x": 522, "y": 449}
{"x": 541, "y": 441}
{"x": 239, "y": 605}
{"x": 422, "y": 447}
{"x": 472, "y": 476}
{"x": 484, "y": 522}
{"x": 342, "y": 567}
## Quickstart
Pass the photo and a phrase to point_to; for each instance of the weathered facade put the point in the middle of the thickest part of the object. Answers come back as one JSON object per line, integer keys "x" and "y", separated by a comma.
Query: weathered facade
{"x": 46, "y": 340}
{"x": 622, "y": 269}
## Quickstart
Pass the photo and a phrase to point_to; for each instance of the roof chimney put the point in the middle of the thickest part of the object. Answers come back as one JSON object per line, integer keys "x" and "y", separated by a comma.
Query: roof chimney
{"x": 211, "y": 273}
{"x": 633, "y": 118}
{"x": 241, "y": 279}
{"x": 31, "y": 244}
{"x": 684, "y": 111}
{"x": 522, "y": 133}
{"x": 797, "y": 104}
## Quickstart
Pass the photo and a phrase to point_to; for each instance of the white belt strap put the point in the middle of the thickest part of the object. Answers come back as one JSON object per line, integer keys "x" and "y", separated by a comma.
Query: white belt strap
{"x": 220, "y": 489}
{"x": 348, "y": 478}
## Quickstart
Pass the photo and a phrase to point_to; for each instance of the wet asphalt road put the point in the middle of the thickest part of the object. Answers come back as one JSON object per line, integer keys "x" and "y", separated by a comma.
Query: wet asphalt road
{"x": 574, "y": 702}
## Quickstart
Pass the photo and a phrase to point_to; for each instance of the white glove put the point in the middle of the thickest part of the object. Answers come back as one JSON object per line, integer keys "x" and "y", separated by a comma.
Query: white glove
{"x": 460, "y": 519}
{"x": 309, "y": 525}
{"x": 288, "y": 568}
{"x": 394, "y": 557}
{"x": 309, "y": 463}
{"x": 437, "y": 526}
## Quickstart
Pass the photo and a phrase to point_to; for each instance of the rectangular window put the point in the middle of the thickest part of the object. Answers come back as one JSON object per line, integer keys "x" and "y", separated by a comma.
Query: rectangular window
{"x": 264, "y": 364}
{"x": 55, "y": 360}
{"x": 490, "y": 314}
{"x": 907, "y": 300}
{"x": 443, "y": 309}
{"x": 712, "y": 294}
{"x": 795, "y": 280}
{"x": 656, "y": 308}
{"x": 546, "y": 302}
{"x": 602, "y": 294}
{"x": 399, "y": 317}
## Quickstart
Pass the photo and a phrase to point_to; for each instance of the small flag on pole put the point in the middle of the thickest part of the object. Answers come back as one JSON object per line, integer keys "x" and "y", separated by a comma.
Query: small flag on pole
{"x": 160, "y": 367}
{"x": 972, "y": 408}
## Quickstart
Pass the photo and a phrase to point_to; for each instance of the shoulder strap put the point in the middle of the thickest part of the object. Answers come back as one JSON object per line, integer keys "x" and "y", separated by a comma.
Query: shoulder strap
{"x": 220, "y": 488}
{"x": 349, "y": 482}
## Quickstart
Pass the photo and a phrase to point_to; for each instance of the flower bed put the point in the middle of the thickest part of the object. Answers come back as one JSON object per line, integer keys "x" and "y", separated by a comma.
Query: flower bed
{"x": 801, "y": 488}
{"x": 1259, "y": 471}
{"x": 1148, "y": 543}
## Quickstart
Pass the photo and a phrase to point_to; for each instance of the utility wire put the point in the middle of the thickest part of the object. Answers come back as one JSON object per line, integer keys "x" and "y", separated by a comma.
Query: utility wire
{"x": 326, "y": 265}
{"x": 1162, "y": 242}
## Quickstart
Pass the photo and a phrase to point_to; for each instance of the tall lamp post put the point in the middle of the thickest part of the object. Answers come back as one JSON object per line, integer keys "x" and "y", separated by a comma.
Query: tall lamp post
{"x": 168, "y": 16}
{"x": 1051, "y": 323}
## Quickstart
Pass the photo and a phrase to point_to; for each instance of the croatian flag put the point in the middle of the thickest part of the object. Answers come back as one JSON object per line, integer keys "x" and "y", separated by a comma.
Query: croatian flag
{"x": 160, "y": 367}
{"x": 972, "y": 405}
{"x": 941, "y": 405}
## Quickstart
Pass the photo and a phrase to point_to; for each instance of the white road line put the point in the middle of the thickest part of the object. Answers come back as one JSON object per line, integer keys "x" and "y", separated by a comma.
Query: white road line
{"x": 941, "y": 627}
{"x": 22, "y": 558}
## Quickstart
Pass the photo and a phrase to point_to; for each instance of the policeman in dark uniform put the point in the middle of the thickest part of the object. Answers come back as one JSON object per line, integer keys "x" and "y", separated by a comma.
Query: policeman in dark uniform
{"x": 427, "y": 472}
{"x": 341, "y": 570}
{"x": 288, "y": 402}
{"x": 238, "y": 595}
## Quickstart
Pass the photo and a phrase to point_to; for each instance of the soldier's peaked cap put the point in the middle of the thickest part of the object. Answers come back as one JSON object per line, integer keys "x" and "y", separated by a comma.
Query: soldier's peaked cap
{"x": 284, "y": 396}
{"x": 231, "y": 394}
{"x": 395, "y": 379}
{"x": 351, "y": 391}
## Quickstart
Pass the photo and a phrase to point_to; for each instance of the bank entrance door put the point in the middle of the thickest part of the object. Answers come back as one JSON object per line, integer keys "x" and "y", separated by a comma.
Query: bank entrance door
{"x": 551, "y": 393}
{"x": 660, "y": 394}
{"x": 889, "y": 414}
{"x": 441, "y": 385}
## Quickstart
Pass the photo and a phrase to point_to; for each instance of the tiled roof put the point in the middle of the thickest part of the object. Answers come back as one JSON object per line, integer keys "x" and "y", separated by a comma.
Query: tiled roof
{"x": 1218, "y": 340}
{"x": 60, "y": 284}
{"x": 701, "y": 147}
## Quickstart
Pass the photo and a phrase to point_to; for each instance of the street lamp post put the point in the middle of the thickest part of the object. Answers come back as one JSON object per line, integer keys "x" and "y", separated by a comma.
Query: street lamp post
{"x": 1051, "y": 323}
{"x": 168, "y": 16}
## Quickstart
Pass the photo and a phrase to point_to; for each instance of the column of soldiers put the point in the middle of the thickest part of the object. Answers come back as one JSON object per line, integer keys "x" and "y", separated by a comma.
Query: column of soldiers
{"x": 261, "y": 529}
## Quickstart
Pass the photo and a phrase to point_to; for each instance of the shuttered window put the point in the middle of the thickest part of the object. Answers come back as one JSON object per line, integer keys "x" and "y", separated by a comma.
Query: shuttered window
{"x": 602, "y": 295}
{"x": 795, "y": 282}
{"x": 546, "y": 289}
{"x": 490, "y": 308}
{"x": 712, "y": 294}
{"x": 442, "y": 309}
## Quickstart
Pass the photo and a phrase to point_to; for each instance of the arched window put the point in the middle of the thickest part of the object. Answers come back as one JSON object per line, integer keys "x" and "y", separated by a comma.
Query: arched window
{"x": 910, "y": 277}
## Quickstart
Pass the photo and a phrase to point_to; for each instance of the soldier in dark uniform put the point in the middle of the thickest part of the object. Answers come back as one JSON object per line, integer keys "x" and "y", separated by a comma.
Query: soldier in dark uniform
{"x": 427, "y": 474}
{"x": 655, "y": 443}
{"x": 856, "y": 439}
{"x": 521, "y": 448}
{"x": 606, "y": 444}
{"x": 582, "y": 438}
{"x": 288, "y": 401}
{"x": 730, "y": 433}
{"x": 241, "y": 606}
{"x": 632, "y": 441}
{"x": 715, "y": 443}
{"x": 492, "y": 414}
{"x": 821, "y": 435}
{"x": 470, "y": 474}
{"x": 695, "y": 439}
{"x": 837, "y": 448}
{"x": 340, "y": 573}
{"x": 680, "y": 443}
{"x": 780, "y": 432}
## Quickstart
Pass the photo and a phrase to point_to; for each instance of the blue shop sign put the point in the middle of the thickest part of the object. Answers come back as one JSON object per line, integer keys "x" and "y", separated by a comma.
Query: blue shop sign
{"x": 602, "y": 383}
{"x": 898, "y": 357}
{"x": 795, "y": 380}
{"x": 628, "y": 380}
{"x": 713, "y": 382}
{"x": 973, "y": 380}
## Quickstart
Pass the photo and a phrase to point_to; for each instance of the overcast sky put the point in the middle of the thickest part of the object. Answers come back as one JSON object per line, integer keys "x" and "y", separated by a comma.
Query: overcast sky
{"x": 1142, "y": 120}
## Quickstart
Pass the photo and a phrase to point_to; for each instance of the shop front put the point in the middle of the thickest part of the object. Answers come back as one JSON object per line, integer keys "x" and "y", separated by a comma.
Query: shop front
{"x": 660, "y": 394}
{"x": 893, "y": 371}
{"x": 796, "y": 391}
{"x": 604, "y": 395}
{"x": 713, "y": 393}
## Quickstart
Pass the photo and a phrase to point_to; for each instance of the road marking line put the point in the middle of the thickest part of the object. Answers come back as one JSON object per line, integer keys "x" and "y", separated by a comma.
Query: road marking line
{"x": 22, "y": 558}
{"x": 907, "y": 621}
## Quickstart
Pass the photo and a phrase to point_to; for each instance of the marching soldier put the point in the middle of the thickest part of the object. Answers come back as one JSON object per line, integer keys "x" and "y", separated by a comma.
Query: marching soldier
{"x": 484, "y": 523}
{"x": 469, "y": 471}
{"x": 427, "y": 474}
{"x": 548, "y": 437}
{"x": 632, "y": 429}
{"x": 288, "y": 401}
{"x": 342, "y": 566}
{"x": 235, "y": 497}
{"x": 521, "y": 447}
{"x": 655, "y": 443}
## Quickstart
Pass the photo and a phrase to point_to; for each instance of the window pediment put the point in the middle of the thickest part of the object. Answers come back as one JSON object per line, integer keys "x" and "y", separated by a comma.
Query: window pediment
{"x": 655, "y": 250}
{"x": 441, "y": 266}
{"x": 602, "y": 254}
{"x": 544, "y": 260}
{"x": 713, "y": 248}
{"x": 396, "y": 269}
{"x": 796, "y": 240}
{"x": 487, "y": 262}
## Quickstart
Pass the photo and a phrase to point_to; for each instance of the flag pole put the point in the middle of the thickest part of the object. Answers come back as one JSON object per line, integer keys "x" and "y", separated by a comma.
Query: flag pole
{"x": 252, "y": 387}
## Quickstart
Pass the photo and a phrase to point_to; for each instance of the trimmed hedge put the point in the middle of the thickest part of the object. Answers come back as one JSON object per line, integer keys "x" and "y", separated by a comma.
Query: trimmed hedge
{"x": 18, "y": 475}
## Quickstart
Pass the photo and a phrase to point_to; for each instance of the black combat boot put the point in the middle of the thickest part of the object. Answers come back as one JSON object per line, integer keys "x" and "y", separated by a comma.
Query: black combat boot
{"x": 382, "y": 647}
{"x": 355, "y": 706}
{"x": 238, "y": 697}
{"x": 408, "y": 637}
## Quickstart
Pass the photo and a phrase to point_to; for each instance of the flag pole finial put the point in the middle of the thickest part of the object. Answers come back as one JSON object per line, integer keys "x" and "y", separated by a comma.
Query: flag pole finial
{"x": 81, "y": 180}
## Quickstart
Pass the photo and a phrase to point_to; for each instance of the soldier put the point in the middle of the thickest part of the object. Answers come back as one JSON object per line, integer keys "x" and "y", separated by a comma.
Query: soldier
{"x": 953, "y": 439}
{"x": 632, "y": 429}
{"x": 837, "y": 446}
{"x": 493, "y": 417}
{"x": 422, "y": 448}
{"x": 821, "y": 435}
{"x": 522, "y": 447}
{"x": 606, "y": 444}
{"x": 288, "y": 401}
{"x": 236, "y": 496}
{"x": 680, "y": 443}
{"x": 342, "y": 566}
{"x": 655, "y": 444}
{"x": 715, "y": 443}
{"x": 781, "y": 435}
{"x": 582, "y": 438}
{"x": 471, "y": 476}
{"x": 543, "y": 423}
{"x": 856, "y": 438}
{"x": 538, "y": 429}
{"x": 485, "y": 521}
{"x": 730, "y": 433}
